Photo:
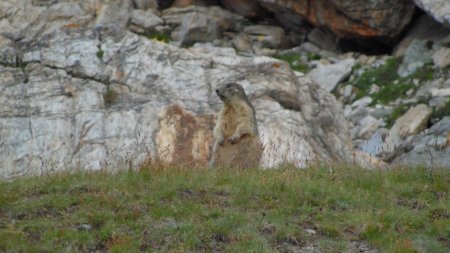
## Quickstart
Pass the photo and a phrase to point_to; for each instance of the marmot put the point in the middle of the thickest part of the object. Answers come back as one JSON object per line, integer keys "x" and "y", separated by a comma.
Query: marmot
{"x": 237, "y": 143}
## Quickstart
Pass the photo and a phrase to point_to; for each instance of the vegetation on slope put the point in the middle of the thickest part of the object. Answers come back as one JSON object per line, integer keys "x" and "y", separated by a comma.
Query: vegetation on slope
{"x": 178, "y": 210}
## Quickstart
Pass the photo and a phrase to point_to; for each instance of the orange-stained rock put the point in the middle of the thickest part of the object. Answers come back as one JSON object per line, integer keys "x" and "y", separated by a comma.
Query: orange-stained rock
{"x": 184, "y": 138}
{"x": 350, "y": 18}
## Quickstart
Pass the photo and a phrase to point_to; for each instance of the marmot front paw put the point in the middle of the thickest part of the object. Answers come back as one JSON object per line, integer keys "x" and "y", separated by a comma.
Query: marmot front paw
{"x": 234, "y": 139}
{"x": 221, "y": 141}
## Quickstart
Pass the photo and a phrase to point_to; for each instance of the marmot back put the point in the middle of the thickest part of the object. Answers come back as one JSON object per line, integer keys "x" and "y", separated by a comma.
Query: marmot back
{"x": 237, "y": 142}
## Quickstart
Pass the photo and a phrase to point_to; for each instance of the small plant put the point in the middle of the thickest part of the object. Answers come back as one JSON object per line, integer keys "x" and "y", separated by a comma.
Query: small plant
{"x": 313, "y": 56}
{"x": 110, "y": 97}
{"x": 295, "y": 61}
{"x": 383, "y": 76}
{"x": 392, "y": 86}
{"x": 425, "y": 73}
{"x": 159, "y": 36}
{"x": 266, "y": 44}
{"x": 396, "y": 113}
{"x": 100, "y": 54}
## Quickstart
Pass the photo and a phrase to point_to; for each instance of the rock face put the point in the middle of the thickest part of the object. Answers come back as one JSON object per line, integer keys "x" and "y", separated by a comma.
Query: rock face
{"x": 200, "y": 24}
{"x": 438, "y": 9}
{"x": 328, "y": 76}
{"x": 431, "y": 148}
{"x": 416, "y": 56}
{"x": 382, "y": 18}
{"x": 410, "y": 123}
{"x": 92, "y": 97}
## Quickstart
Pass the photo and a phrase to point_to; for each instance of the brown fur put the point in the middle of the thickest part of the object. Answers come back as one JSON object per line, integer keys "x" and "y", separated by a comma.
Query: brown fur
{"x": 237, "y": 142}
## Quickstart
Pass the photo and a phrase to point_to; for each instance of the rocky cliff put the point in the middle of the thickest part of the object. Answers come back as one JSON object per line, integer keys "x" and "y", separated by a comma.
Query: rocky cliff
{"x": 108, "y": 84}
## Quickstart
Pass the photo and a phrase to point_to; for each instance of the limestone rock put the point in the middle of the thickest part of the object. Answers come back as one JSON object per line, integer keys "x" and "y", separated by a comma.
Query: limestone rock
{"x": 145, "y": 19}
{"x": 328, "y": 76}
{"x": 416, "y": 56}
{"x": 114, "y": 14}
{"x": 431, "y": 148}
{"x": 243, "y": 42}
{"x": 440, "y": 92}
{"x": 273, "y": 36}
{"x": 197, "y": 27}
{"x": 438, "y": 9}
{"x": 367, "y": 161}
{"x": 54, "y": 114}
{"x": 423, "y": 28}
{"x": 374, "y": 145}
{"x": 368, "y": 125}
{"x": 184, "y": 135}
{"x": 145, "y": 4}
{"x": 410, "y": 123}
{"x": 225, "y": 19}
{"x": 362, "y": 102}
{"x": 427, "y": 90}
{"x": 441, "y": 58}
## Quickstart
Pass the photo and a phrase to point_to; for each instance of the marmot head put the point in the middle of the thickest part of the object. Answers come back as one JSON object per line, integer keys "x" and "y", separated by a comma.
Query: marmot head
{"x": 229, "y": 91}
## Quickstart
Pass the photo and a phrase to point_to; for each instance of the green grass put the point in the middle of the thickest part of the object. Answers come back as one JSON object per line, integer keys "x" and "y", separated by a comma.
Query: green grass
{"x": 392, "y": 86}
{"x": 110, "y": 97}
{"x": 396, "y": 113}
{"x": 159, "y": 36}
{"x": 295, "y": 62}
{"x": 100, "y": 54}
{"x": 180, "y": 210}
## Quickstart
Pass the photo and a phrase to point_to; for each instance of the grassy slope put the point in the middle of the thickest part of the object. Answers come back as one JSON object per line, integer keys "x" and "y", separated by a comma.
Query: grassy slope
{"x": 403, "y": 210}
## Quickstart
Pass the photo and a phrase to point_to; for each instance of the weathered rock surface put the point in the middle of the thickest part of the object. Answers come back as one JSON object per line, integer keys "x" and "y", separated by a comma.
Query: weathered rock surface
{"x": 382, "y": 18}
{"x": 272, "y": 36}
{"x": 441, "y": 58}
{"x": 431, "y": 148}
{"x": 55, "y": 112}
{"x": 225, "y": 19}
{"x": 416, "y": 56}
{"x": 438, "y": 9}
{"x": 145, "y": 4}
{"x": 197, "y": 27}
{"x": 423, "y": 28}
{"x": 199, "y": 23}
{"x": 145, "y": 19}
{"x": 328, "y": 76}
{"x": 410, "y": 123}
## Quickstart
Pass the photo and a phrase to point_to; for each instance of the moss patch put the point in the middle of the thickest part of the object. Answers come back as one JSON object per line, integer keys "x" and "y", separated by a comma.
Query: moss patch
{"x": 426, "y": 73}
{"x": 100, "y": 54}
{"x": 392, "y": 86}
{"x": 110, "y": 97}
{"x": 295, "y": 62}
{"x": 396, "y": 113}
{"x": 159, "y": 36}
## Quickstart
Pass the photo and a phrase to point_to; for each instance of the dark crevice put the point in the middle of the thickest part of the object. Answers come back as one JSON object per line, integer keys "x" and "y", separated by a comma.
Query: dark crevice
{"x": 71, "y": 71}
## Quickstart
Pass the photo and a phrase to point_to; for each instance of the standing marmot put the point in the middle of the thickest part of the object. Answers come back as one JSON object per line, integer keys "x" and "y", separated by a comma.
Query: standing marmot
{"x": 237, "y": 142}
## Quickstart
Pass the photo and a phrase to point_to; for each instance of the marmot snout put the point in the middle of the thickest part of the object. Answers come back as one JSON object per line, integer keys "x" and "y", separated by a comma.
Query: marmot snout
{"x": 237, "y": 142}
